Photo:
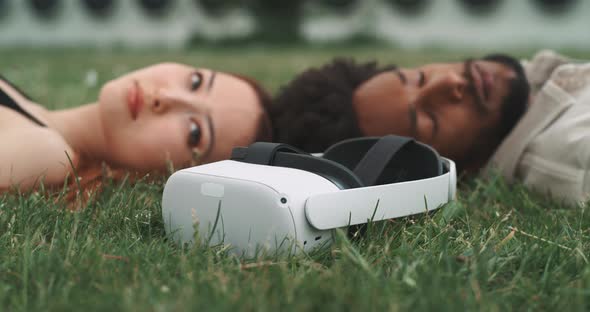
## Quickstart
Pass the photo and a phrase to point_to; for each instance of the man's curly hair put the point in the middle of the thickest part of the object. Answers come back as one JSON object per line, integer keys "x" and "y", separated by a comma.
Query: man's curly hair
{"x": 315, "y": 109}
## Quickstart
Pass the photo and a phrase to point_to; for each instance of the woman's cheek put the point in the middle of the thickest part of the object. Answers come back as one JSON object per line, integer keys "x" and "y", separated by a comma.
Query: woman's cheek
{"x": 113, "y": 109}
{"x": 110, "y": 93}
{"x": 167, "y": 139}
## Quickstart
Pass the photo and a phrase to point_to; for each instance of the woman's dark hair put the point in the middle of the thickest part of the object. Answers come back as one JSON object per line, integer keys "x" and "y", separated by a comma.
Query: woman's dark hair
{"x": 315, "y": 109}
{"x": 264, "y": 131}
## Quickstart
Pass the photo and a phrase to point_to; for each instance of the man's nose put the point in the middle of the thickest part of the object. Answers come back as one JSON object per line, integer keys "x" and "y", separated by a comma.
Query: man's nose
{"x": 445, "y": 87}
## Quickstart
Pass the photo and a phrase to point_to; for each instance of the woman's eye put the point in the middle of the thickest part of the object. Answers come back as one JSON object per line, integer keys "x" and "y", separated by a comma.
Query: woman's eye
{"x": 194, "y": 136}
{"x": 196, "y": 80}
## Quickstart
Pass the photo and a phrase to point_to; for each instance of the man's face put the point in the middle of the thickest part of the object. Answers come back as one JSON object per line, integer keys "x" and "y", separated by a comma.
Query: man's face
{"x": 445, "y": 105}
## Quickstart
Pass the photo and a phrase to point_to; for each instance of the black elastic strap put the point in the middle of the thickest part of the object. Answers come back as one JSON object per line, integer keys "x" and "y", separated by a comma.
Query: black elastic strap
{"x": 261, "y": 153}
{"x": 333, "y": 171}
{"x": 372, "y": 165}
{"x": 283, "y": 155}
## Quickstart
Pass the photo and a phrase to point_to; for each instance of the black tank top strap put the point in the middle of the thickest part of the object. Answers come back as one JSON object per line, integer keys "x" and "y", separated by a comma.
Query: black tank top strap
{"x": 7, "y": 101}
{"x": 15, "y": 88}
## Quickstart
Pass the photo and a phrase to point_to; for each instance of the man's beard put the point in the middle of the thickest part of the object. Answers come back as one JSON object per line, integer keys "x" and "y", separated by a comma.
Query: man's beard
{"x": 513, "y": 106}
{"x": 515, "y": 102}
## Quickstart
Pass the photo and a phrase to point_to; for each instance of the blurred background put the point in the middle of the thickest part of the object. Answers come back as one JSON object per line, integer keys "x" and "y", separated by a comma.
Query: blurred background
{"x": 62, "y": 51}
{"x": 401, "y": 23}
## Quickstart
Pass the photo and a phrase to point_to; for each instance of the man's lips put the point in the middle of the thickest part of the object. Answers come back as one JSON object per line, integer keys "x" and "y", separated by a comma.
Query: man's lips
{"x": 135, "y": 99}
{"x": 483, "y": 81}
{"x": 477, "y": 81}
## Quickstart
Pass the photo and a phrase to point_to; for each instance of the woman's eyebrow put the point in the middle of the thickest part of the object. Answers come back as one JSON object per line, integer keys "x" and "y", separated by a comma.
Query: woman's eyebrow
{"x": 211, "y": 80}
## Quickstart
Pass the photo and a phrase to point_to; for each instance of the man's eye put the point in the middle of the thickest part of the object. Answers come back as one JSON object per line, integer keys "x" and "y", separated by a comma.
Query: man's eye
{"x": 421, "y": 79}
{"x": 196, "y": 81}
{"x": 194, "y": 136}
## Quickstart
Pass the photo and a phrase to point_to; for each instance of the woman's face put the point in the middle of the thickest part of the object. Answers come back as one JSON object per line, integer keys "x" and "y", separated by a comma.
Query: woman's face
{"x": 177, "y": 113}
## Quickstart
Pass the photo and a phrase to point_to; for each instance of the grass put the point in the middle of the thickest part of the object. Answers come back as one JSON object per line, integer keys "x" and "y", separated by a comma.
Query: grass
{"x": 498, "y": 247}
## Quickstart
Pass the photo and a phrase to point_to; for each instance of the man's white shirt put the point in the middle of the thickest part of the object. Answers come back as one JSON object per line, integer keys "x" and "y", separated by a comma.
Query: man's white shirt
{"x": 549, "y": 149}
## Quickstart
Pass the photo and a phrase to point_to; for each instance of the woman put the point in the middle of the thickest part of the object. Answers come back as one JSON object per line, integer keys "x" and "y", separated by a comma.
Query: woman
{"x": 146, "y": 121}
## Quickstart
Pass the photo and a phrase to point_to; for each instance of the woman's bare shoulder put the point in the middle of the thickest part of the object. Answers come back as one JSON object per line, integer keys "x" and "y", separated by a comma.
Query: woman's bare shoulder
{"x": 31, "y": 154}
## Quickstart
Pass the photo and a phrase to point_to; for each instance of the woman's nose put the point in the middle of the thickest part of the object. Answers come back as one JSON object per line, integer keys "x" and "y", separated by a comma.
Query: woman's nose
{"x": 161, "y": 101}
{"x": 167, "y": 99}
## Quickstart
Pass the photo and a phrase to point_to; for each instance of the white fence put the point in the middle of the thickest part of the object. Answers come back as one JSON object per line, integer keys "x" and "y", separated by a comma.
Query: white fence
{"x": 409, "y": 23}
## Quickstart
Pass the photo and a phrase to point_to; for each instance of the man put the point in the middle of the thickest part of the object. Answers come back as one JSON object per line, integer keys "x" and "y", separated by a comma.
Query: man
{"x": 463, "y": 109}
{"x": 549, "y": 149}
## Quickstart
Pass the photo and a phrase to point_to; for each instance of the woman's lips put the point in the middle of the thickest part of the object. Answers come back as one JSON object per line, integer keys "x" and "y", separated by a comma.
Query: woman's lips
{"x": 135, "y": 99}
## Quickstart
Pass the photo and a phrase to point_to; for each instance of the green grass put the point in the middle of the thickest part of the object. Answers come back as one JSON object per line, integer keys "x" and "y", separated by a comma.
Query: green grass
{"x": 497, "y": 247}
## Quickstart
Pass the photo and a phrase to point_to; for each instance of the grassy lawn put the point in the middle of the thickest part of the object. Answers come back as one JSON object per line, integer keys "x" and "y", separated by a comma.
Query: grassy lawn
{"x": 497, "y": 247}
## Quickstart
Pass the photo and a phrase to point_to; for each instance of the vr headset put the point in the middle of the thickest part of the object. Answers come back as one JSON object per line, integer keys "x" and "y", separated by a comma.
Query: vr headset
{"x": 275, "y": 197}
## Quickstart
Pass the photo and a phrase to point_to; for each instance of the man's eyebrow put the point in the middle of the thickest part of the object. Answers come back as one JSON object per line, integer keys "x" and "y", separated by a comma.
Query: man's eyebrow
{"x": 211, "y": 79}
{"x": 401, "y": 76}
{"x": 480, "y": 106}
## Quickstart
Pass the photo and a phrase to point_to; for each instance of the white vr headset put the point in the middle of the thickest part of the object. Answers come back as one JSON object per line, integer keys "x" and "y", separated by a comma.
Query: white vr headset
{"x": 274, "y": 197}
